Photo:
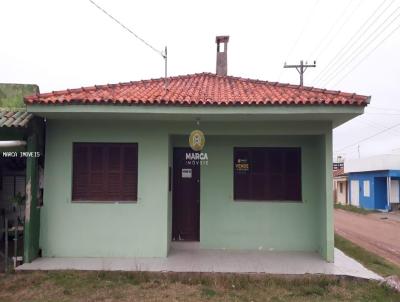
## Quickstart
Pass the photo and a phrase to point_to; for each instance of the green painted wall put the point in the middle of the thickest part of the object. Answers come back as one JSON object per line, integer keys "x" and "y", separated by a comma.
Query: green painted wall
{"x": 327, "y": 234}
{"x": 104, "y": 230}
{"x": 144, "y": 229}
{"x": 281, "y": 226}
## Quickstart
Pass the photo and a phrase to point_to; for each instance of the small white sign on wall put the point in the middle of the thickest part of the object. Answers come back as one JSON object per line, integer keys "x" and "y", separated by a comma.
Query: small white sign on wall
{"x": 186, "y": 173}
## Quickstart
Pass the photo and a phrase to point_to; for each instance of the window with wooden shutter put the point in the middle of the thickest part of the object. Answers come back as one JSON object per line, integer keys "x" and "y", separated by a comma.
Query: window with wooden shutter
{"x": 105, "y": 172}
{"x": 267, "y": 174}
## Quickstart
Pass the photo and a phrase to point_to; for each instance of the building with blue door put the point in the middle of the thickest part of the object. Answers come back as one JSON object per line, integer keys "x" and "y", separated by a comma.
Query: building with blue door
{"x": 374, "y": 183}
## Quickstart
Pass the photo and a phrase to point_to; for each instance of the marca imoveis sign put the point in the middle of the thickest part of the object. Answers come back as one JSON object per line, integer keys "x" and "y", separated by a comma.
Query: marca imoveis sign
{"x": 196, "y": 142}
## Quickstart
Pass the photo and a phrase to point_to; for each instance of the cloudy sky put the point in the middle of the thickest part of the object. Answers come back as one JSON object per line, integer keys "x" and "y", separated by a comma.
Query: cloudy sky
{"x": 356, "y": 43}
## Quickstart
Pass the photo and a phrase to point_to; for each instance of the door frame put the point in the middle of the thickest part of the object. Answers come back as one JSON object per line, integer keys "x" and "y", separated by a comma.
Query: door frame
{"x": 173, "y": 191}
{"x": 355, "y": 183}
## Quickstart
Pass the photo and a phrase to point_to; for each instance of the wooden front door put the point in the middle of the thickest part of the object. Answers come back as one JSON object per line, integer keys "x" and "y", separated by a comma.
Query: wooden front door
{"x": 185, "y": 198}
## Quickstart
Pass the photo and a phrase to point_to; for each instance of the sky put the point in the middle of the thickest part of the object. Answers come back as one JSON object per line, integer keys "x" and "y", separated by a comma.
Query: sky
{"x": 68, "y": 44}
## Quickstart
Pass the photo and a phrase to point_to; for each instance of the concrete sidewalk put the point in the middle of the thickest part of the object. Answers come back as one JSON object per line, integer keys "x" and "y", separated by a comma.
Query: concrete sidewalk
{"x": 224, "y": 261}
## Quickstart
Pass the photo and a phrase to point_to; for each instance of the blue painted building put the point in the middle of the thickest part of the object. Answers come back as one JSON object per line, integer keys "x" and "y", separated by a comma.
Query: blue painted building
{"x": 373, "y": 188}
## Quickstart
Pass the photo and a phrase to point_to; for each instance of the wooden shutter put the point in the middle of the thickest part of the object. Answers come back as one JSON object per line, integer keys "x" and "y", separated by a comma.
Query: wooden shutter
{"x": 104, "y": 172}
{"x": 292, "y": 157}
{"x": 129, "y": 175}
{"x": 97, "y": 167}
{"x": 80, "y": 182}
{"x": 274, "y": 174}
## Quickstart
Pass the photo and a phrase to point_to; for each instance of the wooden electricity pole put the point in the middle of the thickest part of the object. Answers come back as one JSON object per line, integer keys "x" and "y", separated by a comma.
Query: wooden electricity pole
{"x": 301, "y": 69}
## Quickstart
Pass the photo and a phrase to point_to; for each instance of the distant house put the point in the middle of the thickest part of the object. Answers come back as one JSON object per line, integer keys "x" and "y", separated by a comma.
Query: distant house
{"x": 340, "y": 186}
{"x": 374, "y": 182}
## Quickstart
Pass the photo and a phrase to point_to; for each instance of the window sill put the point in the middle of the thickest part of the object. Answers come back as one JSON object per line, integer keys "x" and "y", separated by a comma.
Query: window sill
{"x": 268, "y": 201}
{"x": 104, "y": 202}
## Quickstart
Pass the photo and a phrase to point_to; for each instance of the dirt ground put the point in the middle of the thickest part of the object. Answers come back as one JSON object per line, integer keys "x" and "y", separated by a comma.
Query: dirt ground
{"x": 376, "y": 232}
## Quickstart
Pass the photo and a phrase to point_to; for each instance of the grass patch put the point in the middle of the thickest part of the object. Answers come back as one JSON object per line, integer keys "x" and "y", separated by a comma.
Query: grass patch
{"x": 353, "y": 209}
{"x": 370, "y": 260}
{"x": 137, "y": 286}
{"x": 208, "y": 292}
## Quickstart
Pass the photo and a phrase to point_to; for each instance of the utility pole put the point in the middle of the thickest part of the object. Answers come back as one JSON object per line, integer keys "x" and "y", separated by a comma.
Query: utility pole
{"x": 165, "y": 57}
{"x": 301, "y": 68}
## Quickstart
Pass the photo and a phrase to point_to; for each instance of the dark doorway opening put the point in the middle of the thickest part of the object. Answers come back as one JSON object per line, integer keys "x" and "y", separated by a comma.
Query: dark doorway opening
{"x": 185, "y": 197}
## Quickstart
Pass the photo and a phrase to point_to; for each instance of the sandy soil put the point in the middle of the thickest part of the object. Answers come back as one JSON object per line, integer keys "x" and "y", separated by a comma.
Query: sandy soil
{"x": 376, "y": 232}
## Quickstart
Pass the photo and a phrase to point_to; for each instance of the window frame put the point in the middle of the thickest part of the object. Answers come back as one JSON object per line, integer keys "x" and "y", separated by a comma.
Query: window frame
{"x": 278, "y": 200}
{"x": 133, "y": 200}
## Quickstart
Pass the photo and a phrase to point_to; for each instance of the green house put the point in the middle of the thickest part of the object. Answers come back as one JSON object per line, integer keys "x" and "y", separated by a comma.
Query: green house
{"x": 228, "y": 162}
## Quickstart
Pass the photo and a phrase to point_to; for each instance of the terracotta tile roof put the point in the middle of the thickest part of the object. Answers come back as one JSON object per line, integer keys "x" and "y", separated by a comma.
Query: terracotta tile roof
{"x": 338, "y": 172}
{"x": 200, "y": 89}
{"x": 14, "y": 118}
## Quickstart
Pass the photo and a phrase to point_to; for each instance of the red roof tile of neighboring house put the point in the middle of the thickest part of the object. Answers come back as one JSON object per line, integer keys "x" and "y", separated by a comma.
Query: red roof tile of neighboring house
{"x": 338, "y": 172}
{"x": 200, "y": 89}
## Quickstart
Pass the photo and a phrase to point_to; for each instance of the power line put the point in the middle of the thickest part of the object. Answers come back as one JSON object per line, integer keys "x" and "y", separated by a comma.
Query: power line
{"x": 361, "y": 48}
{"x": 356, "y": 52}
{"x": 384, "y": 108}
{"x": 379, "y": 126}
{"x": 330, "y": 31}
{"x": 303, "y": 29}
{"x": 162, "y": 53}
{"x": 368, "y": 54}
{"x": 352, "y": 41}
{"x": 382, "y": 113}
{"x": 339, "y": 30}
{"x": 372, "y": 123}
{"x": 305, "y": 25}
{"x": 128, "y": 29}
{"x": 368, "y": 137}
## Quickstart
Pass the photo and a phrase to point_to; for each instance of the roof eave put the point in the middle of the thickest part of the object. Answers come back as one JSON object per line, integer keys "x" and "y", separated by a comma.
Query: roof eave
{"x": 334, "y": 114}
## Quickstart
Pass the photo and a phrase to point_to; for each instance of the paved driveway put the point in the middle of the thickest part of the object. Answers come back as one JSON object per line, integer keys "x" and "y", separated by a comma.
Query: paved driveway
{"x": 376, "y": 232}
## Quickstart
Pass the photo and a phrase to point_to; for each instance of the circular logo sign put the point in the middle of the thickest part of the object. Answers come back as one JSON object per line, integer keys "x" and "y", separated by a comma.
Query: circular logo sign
{"x": 197, "y": 140}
